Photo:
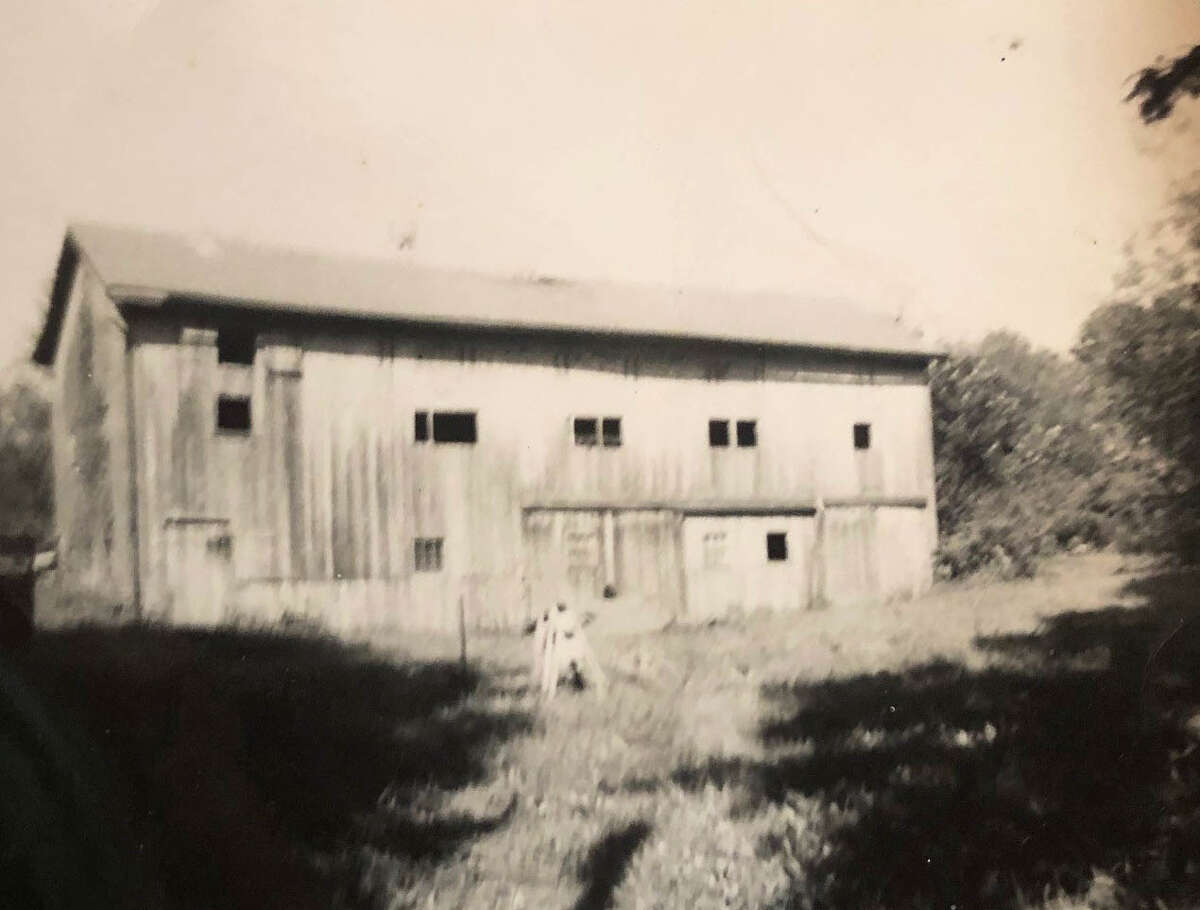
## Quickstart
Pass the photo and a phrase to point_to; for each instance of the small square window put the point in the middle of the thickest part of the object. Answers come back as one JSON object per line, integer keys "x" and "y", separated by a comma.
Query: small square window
{"x": 777, "y": 546}
{"x": 233, "y": 413}
{"x": 862, "y": 436}
{"x": 714, "y": 549}
{"x": 421, "y": 426}
{"x": 583, "y": 549}
{"x": 586, "y": 431}
{"x": 610, "y": 429}
{"x": 747, "y": 433}
{"x": 718, "y": 433}
{"x": 454, "y": 426}
{"x": 427, "y": 554}
{"x": 236, "y": 346}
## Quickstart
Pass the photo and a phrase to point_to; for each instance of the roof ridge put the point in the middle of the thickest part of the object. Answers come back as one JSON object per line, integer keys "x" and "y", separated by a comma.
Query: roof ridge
{"x": 204, "y": 266}
{"x": 218, "y": 241}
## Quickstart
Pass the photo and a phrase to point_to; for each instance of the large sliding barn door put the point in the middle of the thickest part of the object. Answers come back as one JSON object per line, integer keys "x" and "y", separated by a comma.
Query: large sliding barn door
{"x": 623, "y": 565}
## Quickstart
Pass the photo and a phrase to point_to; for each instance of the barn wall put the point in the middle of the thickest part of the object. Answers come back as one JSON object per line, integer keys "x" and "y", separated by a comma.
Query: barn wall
{"x": 871, "y": 553}
{"x": 90, "y": 423}
{"x": 727, "y": 569}
{"x": 326, "y": 494}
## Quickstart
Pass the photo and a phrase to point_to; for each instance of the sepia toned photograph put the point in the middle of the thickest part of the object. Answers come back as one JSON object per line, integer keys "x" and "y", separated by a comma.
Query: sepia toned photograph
{"x": 555, "y": 455}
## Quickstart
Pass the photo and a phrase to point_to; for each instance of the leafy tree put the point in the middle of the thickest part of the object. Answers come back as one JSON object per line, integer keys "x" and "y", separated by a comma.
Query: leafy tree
{"x": 1148, "y": 358}
{"x": 1029, "y": 460}
{"x": 977, "y": 421}
{"x": 1143, "y": 349}
{"x": 1158, "y": 88}
{"x": 1007, "y": 415}
{"x": 25, "y": 465}
{"x": 1036, "y": 452}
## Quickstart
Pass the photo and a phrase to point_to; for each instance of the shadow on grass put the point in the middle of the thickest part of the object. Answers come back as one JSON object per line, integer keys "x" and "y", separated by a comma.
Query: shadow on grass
{"x": 938, "y": 785}
{"x": 606, "y": 864}
{"x": 249, "y": 768}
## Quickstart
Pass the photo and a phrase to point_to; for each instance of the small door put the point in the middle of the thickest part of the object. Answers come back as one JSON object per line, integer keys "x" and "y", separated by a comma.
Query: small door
{"x": 199, "y": 570}
{"x": 713, "y": 559}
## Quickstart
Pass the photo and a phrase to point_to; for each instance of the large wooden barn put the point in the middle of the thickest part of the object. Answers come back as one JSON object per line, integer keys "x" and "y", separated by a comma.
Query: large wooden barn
{"x": 243, "y": 434}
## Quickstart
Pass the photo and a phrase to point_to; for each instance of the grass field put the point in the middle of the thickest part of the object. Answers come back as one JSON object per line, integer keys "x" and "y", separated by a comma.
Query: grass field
{"x": 1018, "y": 744}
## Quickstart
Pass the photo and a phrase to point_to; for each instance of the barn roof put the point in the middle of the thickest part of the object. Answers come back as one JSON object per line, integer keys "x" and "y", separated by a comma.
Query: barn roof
{"x": 148, "y": 267}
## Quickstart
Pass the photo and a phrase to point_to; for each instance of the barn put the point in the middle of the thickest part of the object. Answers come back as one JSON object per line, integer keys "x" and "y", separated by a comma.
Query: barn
{"x": 247, "y": 434}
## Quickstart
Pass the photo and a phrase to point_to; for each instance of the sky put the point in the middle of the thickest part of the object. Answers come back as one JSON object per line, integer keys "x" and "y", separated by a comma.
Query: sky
{"x": 967, "y": 165}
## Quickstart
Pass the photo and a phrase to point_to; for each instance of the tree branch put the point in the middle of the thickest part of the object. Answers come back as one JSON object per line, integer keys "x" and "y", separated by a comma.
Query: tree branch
{"x": 1161, "y": 87}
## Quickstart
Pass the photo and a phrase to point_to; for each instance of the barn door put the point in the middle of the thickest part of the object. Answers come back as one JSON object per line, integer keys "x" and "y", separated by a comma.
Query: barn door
{"x": 850, "y": 556}
{"x": 711, "y": 553}
{"x": 199, "y": 570}
{"x": 564, "y": 555}
{"x": 648, "y": 571}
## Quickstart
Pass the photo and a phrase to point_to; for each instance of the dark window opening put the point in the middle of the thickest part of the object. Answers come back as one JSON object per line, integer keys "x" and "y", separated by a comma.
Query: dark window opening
{"x": 236, "y": 346}
{"x": 233, "y": 413}
{"x": 447, "y": 426}
{"x": 611, "y": 431}
{"x": 586, "y": 431}
{"x": 427, "y": 554}
{"x": 777, "y": 546}
{"x": 747, "y": 433}
{"x": 718, "y": 433}
{"x": 454, "y": 426}
{"x": 862, "y": 436}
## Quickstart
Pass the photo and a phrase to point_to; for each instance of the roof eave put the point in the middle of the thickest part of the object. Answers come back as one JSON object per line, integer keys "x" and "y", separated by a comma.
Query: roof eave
{"x": 46, "y": 346}
{"x": 153, "y": 298}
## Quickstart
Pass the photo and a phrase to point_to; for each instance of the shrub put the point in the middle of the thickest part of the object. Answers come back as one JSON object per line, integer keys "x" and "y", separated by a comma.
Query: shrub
{"x": 998, "y": 546}
{"x": 25, "y": 478}
{"x": 1033, "y": 459}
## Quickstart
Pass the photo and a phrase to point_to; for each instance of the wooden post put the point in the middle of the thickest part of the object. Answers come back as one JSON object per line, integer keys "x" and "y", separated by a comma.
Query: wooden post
{"x": 816, "y": 597}
{"x": 610, "y": 549}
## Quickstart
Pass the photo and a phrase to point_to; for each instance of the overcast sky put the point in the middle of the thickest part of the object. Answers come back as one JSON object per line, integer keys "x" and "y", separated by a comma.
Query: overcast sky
{"x": 970, "y": 164}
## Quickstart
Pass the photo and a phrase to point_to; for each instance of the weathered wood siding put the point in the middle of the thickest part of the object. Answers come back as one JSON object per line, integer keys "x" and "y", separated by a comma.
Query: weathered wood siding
{"x": 91, "y": 439}
{"x": 327, "y": 492}
{"x": 727, "y": 567}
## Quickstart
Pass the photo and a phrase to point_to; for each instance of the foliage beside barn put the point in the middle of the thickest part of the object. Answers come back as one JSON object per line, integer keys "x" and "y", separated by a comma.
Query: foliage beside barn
{"x": 1031, "y": 461}
{"x": 1037, "y": 452}
{"x": 26, "y": 484}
